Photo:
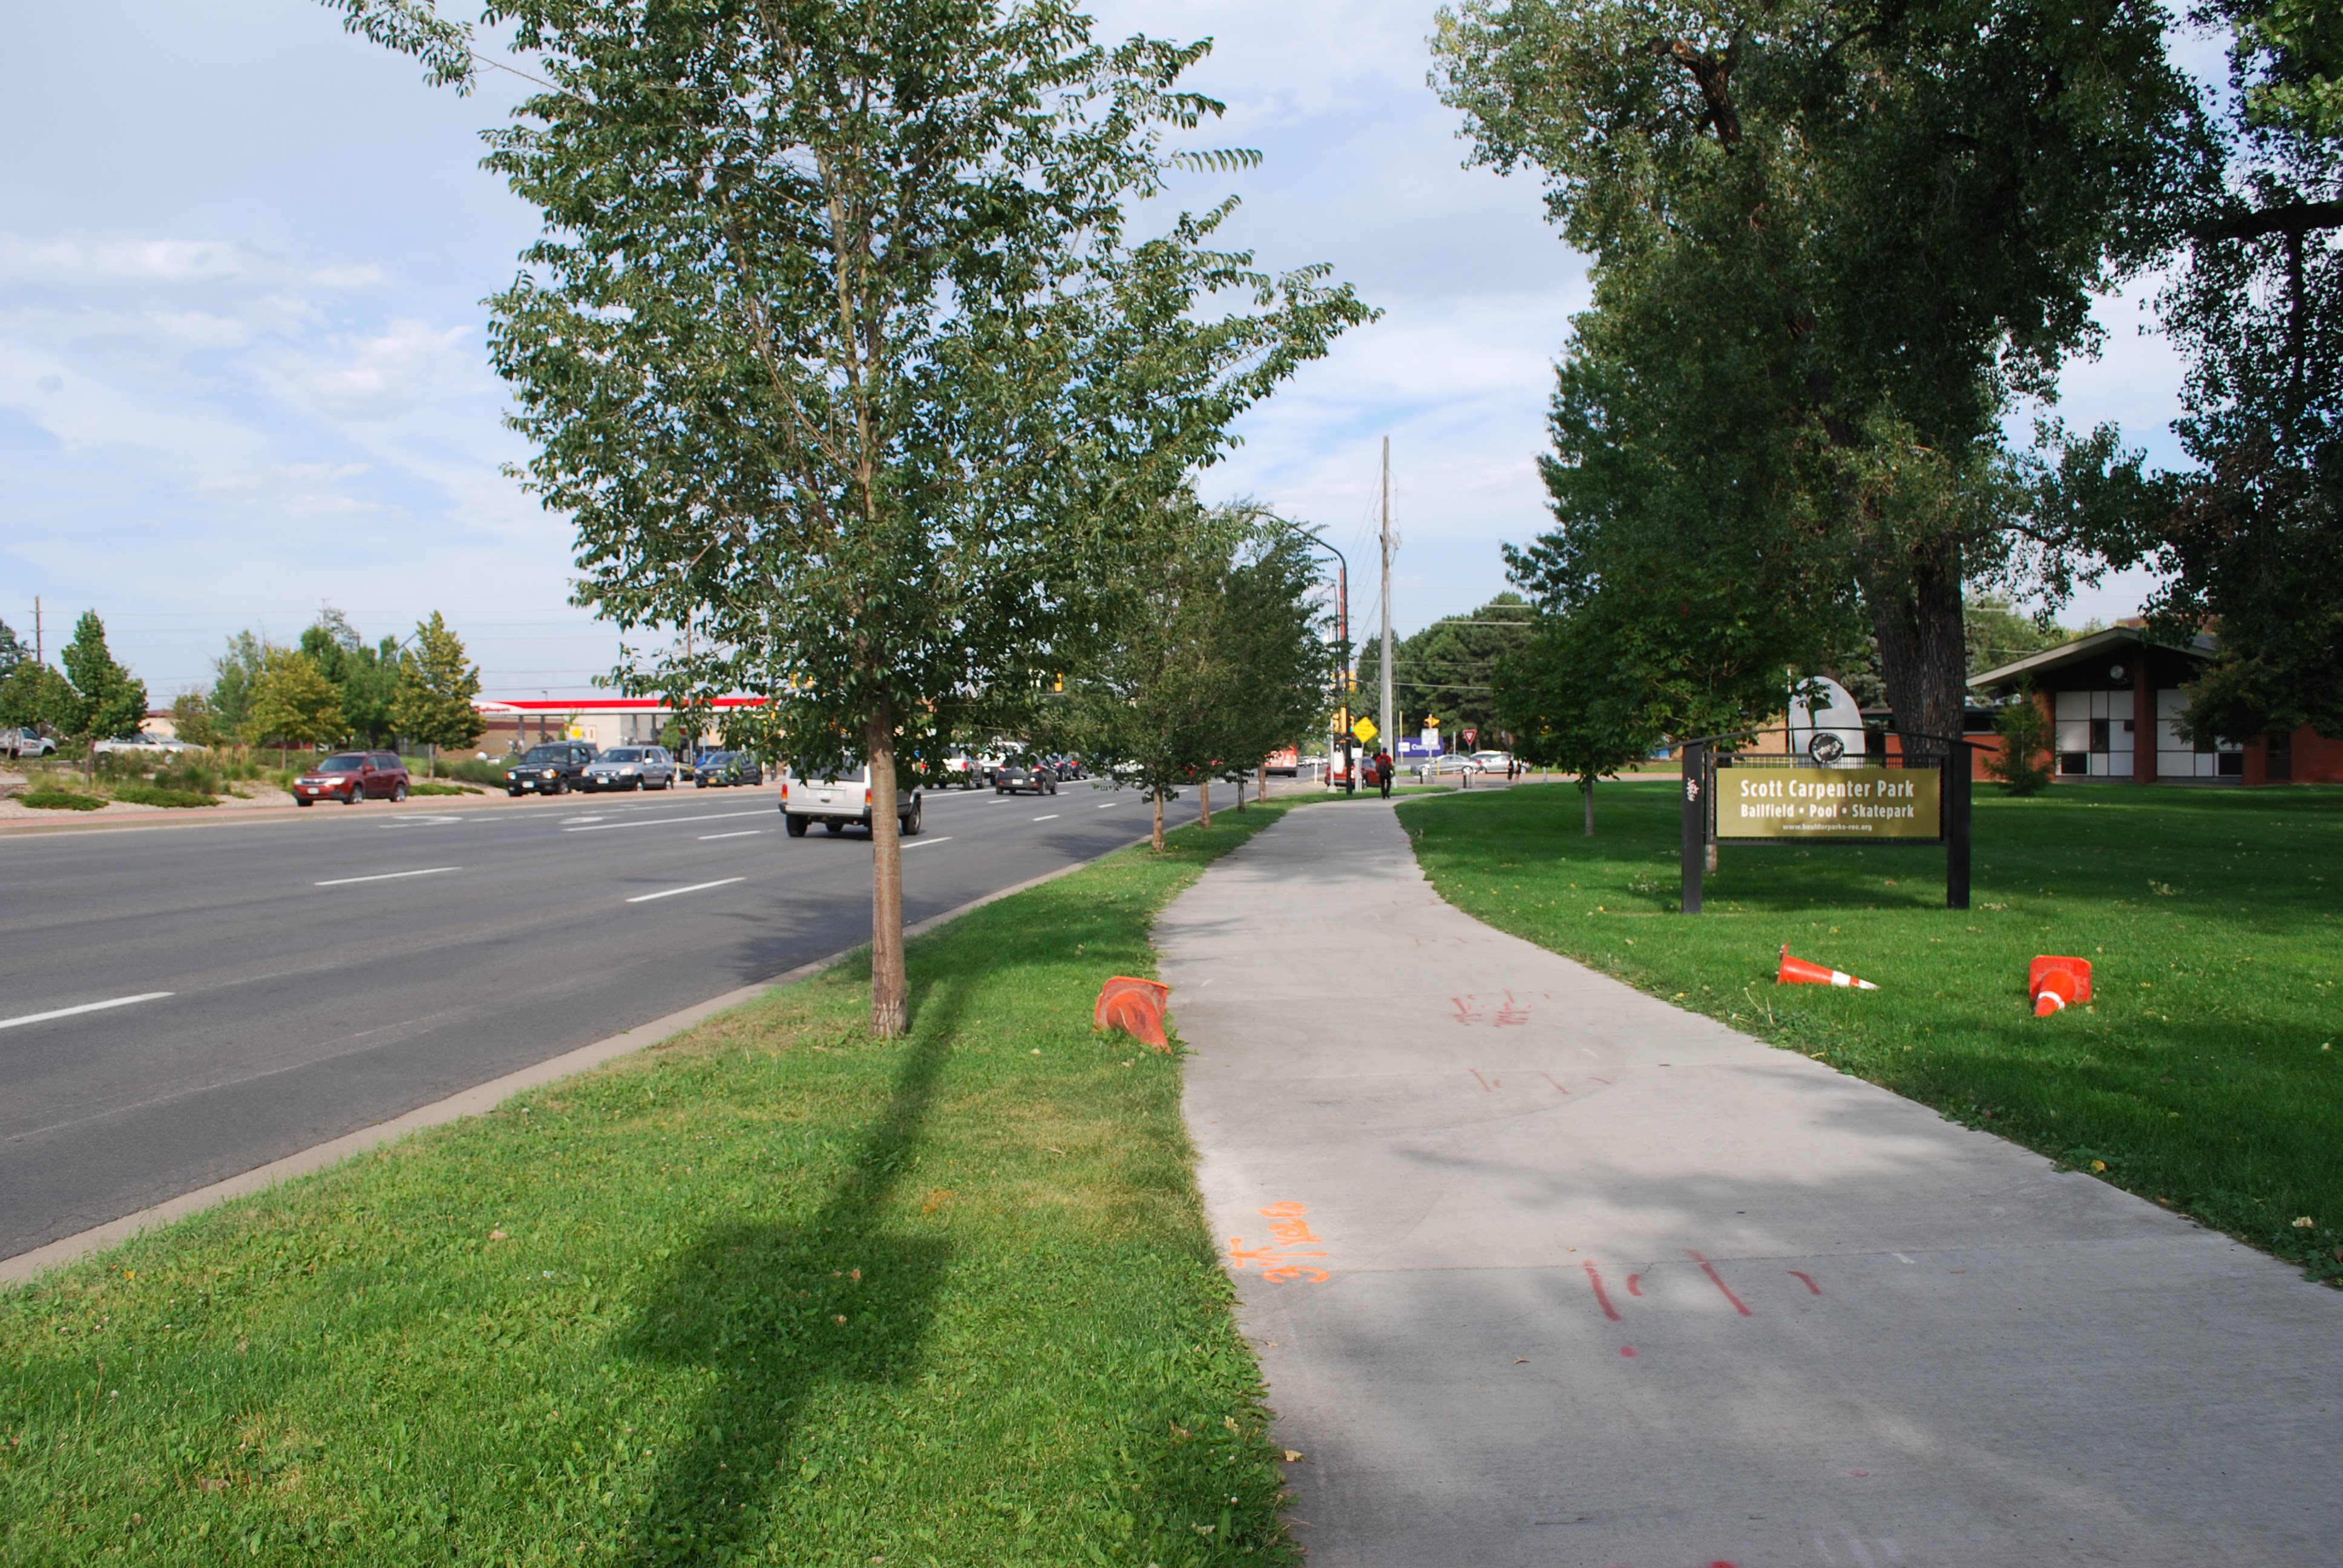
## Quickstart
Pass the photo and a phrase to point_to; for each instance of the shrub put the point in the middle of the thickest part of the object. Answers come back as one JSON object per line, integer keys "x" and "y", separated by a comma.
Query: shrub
{"x": 427, "y": 787}
{"x": 50, "y": 800}
{"x": 139, "y": 792}
{"x": 2024, "y": 765}
{"x": 470, "y": 770}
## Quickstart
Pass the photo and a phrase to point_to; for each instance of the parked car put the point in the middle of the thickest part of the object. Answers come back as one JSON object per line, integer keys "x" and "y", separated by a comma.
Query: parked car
{"x": 628, "y": 767}
{"x": 1025, "y": 773}
{"x": 838, "y": 799}
{"x": 116, "y": 745}
{"x": 350, "y": 777}
{"x": 552, "y": 768}
{"x": 1493, "y": 762}
{"x": 721, "y": 769}
{"x": 27, "y": 741}
{"x": 1447, "y": 763}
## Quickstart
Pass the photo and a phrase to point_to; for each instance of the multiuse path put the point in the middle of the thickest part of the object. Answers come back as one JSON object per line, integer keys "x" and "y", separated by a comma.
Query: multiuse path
{"x": 1542, "y": 1271}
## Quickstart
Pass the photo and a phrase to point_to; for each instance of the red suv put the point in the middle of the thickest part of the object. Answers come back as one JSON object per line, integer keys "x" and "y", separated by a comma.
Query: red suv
{"x": 350, "y": 777}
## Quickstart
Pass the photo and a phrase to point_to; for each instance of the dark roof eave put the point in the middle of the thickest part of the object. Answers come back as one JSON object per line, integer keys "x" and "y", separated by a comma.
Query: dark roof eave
{"x": 2086, "y": 647}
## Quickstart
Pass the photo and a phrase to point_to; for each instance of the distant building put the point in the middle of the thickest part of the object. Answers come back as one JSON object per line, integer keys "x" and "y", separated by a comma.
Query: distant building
{"x": 2113, "y": 699}
{"x": 603, "y": 721}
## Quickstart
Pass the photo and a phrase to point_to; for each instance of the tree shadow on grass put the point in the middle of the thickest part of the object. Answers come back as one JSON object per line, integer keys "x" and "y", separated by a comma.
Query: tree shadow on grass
{"x": 772, "y": 1311}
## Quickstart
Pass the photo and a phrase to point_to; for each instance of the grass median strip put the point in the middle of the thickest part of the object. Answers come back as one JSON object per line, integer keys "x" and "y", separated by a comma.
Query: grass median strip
{"x": 2207, "y": 1075}
{"x": 772, "y": 1292}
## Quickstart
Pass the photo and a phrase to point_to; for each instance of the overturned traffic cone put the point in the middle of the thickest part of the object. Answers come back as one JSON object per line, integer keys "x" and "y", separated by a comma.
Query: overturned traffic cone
{"x": 1798, "y": 972}
{"x": 1135, "y": 1007}
{"x": 2056, "y": 983}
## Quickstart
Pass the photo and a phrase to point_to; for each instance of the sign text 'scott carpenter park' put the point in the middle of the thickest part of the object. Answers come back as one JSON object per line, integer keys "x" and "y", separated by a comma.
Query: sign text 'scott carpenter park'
{"x": 1827, "y": 803}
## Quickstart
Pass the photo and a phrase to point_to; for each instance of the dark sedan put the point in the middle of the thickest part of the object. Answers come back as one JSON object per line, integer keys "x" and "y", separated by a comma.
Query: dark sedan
{"x": 554, "y": 768}
{"x": 1016, "y": 778}
{"x": 719, "y": 770}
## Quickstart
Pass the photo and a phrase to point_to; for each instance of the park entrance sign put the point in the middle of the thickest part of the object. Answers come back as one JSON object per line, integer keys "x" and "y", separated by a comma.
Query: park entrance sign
{"x": 1828, "y": 803}
{"x": 1755, "y": 785}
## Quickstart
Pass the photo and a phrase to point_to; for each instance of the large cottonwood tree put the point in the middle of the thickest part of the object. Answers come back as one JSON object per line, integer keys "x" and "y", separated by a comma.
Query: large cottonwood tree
{"x": 1855, "y": 228}
{"x": 839, "y": 353}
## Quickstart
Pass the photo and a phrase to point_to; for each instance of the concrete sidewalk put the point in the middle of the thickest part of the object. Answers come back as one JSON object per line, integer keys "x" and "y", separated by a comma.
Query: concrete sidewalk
{"x": 1542, "y": 1271}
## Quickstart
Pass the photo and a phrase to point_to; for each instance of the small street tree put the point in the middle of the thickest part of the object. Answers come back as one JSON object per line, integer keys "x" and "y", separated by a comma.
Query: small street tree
{"x": 433, "y": 702}
{"x": 1273, "y": 640}
{"x": 1583, "y": 697}
{"x": 193, "y": 720}
{"x": 234, "y": 672}
{"x": 838, "y": 352}
{"x": 292, "y": 703}
{"x": 107, "y": 698}
{"x": 35, "y": 695}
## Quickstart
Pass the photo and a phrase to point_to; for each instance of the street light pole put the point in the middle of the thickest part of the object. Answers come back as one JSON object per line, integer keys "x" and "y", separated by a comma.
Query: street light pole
{"x": 1342, "y": 635}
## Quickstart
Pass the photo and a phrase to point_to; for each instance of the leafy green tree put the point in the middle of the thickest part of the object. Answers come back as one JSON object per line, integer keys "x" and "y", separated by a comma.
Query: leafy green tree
{"x": 1998, "y": 635}
{"x": 292, "y": 703}
{"x": 2023, "y": 763}
{"x": 837, "y": 349}
{"x": 1448, "y": 670}
{"x": 2252, "y": 539}
{"x": 1832, "y": 239}
{"x": 1273, "y": 642}
{"x": 34, "y": 694}
{"x": 1582, "y": 696}
{"x": 12, "y": 652}
{"x": 193, "y": 720}
{"x": 233, "y": 674}
{"x": 107, "y": 698}
{"x": 367, "y": 676}
{"x": 437, "y": 684}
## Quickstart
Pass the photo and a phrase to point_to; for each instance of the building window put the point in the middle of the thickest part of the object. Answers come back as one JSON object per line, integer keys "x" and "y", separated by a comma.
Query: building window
{"x": 2281, "y": 759}
{"x": 2099, "y": 736}
{"x": 2229, "y": 765}
{"x": 2077, "y": 763}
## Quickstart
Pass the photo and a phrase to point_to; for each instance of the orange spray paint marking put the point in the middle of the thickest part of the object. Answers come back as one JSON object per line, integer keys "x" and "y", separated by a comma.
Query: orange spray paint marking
{"x": 1287, "y": 1229}
{"x": 1809, "y": 1279}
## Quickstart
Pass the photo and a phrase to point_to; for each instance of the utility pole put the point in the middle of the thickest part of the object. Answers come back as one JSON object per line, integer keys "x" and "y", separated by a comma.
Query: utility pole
{"x": 39, "y": 655}
{"x": 1390, "y": 739}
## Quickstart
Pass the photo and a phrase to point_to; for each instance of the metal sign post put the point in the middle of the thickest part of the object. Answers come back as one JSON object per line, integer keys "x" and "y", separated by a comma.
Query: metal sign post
{"x": 1696, "y": 822}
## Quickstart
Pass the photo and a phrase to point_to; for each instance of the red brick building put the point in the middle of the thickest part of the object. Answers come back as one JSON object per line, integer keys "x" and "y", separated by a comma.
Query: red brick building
{"x": 2113, "y": 698}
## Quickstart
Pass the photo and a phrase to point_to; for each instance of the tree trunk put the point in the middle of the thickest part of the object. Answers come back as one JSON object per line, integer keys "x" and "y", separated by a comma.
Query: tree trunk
{"x": 1260, "y": 790}
{"x": 1915, "y": 601}
{"x": 890, "y": 991}
{"x": 1204, "y": 802}
{"x": 1586, "y": 788}
{"x": 1159, "y": 824}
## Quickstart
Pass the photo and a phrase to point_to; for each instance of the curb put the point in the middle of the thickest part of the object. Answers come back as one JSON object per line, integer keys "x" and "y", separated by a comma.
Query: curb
{"x": 26, "y": 1267}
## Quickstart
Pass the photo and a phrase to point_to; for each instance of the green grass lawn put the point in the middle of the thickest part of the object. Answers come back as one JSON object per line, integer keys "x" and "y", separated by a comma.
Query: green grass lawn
{"x": 2209, "y": 1074}
{"x": 771, "y": 1293}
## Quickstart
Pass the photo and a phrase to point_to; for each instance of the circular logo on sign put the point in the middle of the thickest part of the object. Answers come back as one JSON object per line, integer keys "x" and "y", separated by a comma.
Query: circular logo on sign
{"x": 1825, "y": 748}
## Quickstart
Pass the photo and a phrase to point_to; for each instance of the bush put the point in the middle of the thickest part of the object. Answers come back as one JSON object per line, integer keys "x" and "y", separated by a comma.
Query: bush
{"x": 49, "y": 800}
{"x": 470, "y": 770}
{"x": 426, "y": 788}
{"x": 2024, "y": 765}
{"x": 139, "y": 792}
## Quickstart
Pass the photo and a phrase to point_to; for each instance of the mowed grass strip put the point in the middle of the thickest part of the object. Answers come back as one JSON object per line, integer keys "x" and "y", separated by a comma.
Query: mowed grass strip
{"x": 773, "y": 1292}
{"x": 2207, "y": 1075}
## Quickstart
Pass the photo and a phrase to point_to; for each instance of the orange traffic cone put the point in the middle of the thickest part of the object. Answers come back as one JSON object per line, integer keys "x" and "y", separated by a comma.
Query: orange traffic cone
{"x": 1798, "y": 972}
{"x": 2056, "y": 983}
{"x": 1135, "y": 1007}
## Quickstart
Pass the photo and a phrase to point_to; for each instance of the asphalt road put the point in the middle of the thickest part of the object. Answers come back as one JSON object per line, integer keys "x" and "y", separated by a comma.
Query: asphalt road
{"x": 328, "y": 973}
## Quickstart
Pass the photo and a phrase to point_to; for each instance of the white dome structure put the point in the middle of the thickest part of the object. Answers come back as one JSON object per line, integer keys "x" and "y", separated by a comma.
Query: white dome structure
{"x": 1825, "y": 726}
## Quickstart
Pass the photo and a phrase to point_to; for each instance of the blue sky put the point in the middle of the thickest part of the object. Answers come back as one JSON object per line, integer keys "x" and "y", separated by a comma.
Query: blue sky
{"x": 241, "y": 344}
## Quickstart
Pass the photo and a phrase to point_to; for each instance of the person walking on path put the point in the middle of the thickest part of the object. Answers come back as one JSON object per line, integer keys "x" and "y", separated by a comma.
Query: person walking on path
{"x": 1383, "y": 772}
{"x": 1543, "y": 1270}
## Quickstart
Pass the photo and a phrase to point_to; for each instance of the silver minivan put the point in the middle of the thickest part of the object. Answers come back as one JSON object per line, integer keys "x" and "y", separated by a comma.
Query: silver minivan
{"x": 630, "y": 767}
{"x": 835, "y": 800}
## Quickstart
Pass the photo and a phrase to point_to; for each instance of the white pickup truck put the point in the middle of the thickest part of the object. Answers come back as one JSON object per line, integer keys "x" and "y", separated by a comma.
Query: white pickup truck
{"x": 837, "y": 799}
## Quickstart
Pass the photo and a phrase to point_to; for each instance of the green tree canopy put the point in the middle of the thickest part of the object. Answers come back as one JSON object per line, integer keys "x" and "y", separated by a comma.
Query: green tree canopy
{"x": 12, "y": 652}
{"x": 292, "y": 703}
{"x": 1448, "y": 670}
{"x": 838, "y": 352}
{"x": 437, "y": 684}
{"x": 1582, "y": 696}
{"x": 35, "y": 695}
{"x": 234, "y": 673}
{"x": 109, "y": 700}
{"x": 365, "y": 675}
{"x": 1832, "y": 239}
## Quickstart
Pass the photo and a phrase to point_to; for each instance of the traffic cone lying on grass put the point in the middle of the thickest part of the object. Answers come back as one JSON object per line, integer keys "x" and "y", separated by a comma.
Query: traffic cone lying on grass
{"x": 1135, "y": 1007}
{"x": 1798, "y": 972}
{"x": 2057, "y": 983}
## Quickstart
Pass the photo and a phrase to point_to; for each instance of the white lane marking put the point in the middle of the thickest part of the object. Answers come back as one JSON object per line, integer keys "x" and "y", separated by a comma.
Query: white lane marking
{"x": 695, "y": 887}
{"x": 422, "y": 819}
{"x": 1104, "y": 805}
{"x": 917, "y": 842}
{"x": 737, "y": 833}
{"x": 666, "y": 821}
{"x": 566, "y": 820}
{"x": 386, "y": 876}
{"x": 1051, "y": 818}
{"x": 86, "y": 1007}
